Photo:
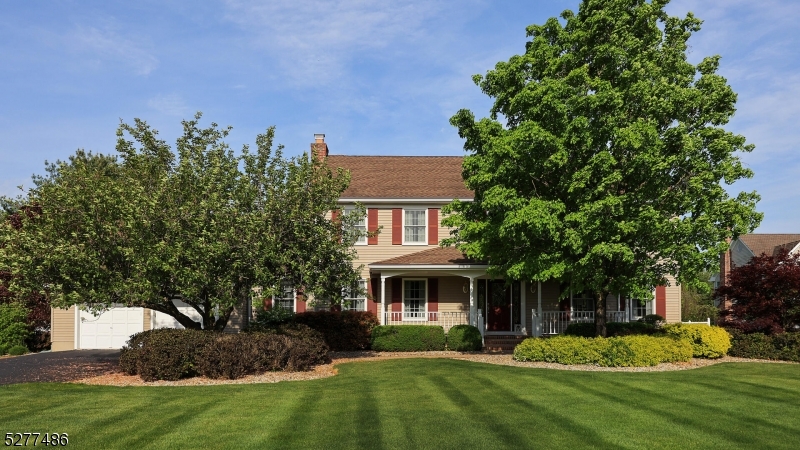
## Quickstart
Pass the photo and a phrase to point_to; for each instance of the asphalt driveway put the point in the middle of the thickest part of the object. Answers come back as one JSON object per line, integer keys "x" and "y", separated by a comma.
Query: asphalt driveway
{"x": 58, "y": 366}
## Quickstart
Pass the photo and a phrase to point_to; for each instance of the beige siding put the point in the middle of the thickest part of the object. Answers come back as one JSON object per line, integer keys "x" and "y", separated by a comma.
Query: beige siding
{"x": 148, "y": 323}
{"x": 451, "y": 295}
{"x": 62, "y": 329}
{"x": 673, "y": 301}
{"x": 384, "y": 250}
{"x": 236, "y": 322}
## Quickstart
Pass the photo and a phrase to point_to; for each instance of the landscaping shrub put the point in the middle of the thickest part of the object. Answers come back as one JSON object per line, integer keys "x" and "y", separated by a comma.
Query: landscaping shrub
{"x": 164, "y": 354}
{"x": 407, "y": 338}
{"x": 707, "y": 341}
{"x": 584, "y": 329}
{"x": 17, "y": 350}
{"x": 38, "y": 341}
{"x": 13, "y": 327}
{"x": 171, "y": 354}
{"x": 464, "y": 338}
{"x": 342, "y": 331}
{"x": 653, "y": 319}
{"x": 3, "y": 349}
{"x": 784, "y": 346}
{"x": 625, "y": 351}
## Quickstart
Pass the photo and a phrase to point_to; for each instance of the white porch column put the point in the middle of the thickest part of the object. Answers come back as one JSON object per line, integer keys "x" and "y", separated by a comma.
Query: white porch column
{"x": 473, "y": 314}
{"x": 382, "y": 316}
{"x": 539, "y": 297}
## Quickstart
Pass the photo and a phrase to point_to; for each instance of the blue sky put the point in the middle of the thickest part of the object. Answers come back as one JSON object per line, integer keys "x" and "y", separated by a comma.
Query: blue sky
{"x": 377, "y": 77}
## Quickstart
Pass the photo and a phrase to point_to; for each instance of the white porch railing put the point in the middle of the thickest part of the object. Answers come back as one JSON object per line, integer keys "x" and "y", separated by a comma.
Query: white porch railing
{"x": 445, "y": 319}
{"x": 555, "y": 322}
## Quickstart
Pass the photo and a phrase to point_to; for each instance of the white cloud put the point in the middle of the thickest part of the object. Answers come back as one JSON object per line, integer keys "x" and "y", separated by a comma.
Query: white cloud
{"x": 315, "y": 40}
{"x": 104, "y": 45}
{"x": 170, "y": 105}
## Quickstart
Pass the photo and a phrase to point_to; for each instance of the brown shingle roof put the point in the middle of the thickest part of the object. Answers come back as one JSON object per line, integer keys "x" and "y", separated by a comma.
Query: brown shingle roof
{"x": 769, "y": 243}
{"x": 415, "y": 177}
{"x": 433, "y": 256}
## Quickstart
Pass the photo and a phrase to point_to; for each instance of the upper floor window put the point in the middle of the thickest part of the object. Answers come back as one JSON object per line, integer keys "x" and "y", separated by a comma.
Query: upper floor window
{"x": 414, "y": 226}
{"x": 359, "y": 227}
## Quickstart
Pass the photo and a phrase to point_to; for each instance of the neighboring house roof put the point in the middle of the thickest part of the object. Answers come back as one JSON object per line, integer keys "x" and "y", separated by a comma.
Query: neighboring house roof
{"x": 439, "y": 256}
{"x": 769, "y": 243}
{"x": 402, "y": 177}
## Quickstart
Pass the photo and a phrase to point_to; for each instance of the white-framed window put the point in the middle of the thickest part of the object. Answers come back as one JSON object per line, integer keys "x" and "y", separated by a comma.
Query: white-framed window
{"x": 359, "y": 226}
{"x": 355, "y": 298}
{"x": 415, "y": 226}
{"x": 415, "y": 299}
{"x": 286, "y": 296}
{"x": 583, "y": 301}
{"x": 640, "y": 309}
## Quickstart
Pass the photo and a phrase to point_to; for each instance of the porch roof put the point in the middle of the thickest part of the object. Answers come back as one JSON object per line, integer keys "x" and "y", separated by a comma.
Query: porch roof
{"x": 449, "y": 257}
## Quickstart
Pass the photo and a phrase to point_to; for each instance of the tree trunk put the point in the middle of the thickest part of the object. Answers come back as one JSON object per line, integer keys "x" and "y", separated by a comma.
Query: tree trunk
{"x": 600, "y": 314}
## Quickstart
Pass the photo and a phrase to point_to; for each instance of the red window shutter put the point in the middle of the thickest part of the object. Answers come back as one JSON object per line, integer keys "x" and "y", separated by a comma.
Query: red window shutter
{"x": 433, "y": 299}
{"x": 372, "y": 225}
{"x": 433, "y": 226}
{"x": 661, "y": 301}
{"x": 373, "y": 295}
{"x": 267, "y": 303}
{"x": 397, "y": 298}
{"x": 299, "y": 301}
{"x": 397, "y": 226}
{"x": 622, "y": 301}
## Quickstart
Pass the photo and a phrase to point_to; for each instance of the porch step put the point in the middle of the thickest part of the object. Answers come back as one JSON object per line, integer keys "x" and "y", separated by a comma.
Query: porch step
{"x": 501, "y": 343}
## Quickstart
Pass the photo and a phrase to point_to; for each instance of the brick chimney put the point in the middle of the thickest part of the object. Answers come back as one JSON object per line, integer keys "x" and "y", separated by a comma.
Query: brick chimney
{"x": 319, "y": 149}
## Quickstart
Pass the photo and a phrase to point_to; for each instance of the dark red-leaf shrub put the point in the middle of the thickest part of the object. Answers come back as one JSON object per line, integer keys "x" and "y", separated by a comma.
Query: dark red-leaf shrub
{"x": 342, "y": 331}
{"x": 765, "y": 294}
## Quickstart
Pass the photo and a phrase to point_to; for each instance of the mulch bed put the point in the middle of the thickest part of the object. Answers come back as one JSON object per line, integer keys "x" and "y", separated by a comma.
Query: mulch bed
{"x": 103, "y": 369}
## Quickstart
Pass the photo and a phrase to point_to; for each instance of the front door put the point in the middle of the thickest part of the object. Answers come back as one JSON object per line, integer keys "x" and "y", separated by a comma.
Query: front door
{"x": 498, "y": 314}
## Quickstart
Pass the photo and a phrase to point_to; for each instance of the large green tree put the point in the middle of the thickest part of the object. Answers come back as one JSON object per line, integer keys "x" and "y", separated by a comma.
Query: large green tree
{"x": 202, "y": 224}
{"x": 602, "y": 160}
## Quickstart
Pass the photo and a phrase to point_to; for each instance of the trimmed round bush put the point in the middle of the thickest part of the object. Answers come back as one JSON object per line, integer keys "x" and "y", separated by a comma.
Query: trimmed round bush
{"x": 464, "y": 338}
{"x": 625, "y": 351}
{"x": 17, "y": 350}
{"x": 707, "y": 341}
{"x": 585, "y": 329}
{"x": 408, "y": 338}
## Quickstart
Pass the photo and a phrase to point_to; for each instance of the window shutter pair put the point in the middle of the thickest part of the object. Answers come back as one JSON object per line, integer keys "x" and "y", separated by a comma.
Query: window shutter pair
{"x": 397, "y": 298}
{"x": 433, "y": 226}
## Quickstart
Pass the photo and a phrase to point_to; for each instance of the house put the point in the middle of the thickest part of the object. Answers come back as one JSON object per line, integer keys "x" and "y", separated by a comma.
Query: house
{"x": 745, "y": 248}
{"x": 408, "y": 278}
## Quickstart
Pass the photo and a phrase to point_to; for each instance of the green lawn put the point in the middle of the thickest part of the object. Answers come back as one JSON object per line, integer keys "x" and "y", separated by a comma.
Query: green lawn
{"x": 435, "y": 404}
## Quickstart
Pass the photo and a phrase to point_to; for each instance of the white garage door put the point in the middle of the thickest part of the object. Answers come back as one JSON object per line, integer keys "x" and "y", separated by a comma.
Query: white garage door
{"x": 111, "y": 329}
{"x": 162, "y": 320}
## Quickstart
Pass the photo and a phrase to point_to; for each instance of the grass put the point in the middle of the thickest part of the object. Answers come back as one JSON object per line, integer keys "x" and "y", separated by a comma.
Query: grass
{"x": 430, "y": 403}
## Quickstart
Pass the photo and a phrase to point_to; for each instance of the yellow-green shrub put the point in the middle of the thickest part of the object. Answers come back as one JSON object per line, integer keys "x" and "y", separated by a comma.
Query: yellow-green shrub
{"x": 707, "y": 341}
{"x": 625, "y": 351}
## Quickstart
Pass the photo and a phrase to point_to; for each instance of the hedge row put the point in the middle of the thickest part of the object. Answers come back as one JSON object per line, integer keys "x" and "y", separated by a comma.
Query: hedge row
{"x": 613, "y": 329}
{"x": 408, "y": 338}
{"x": 171, "y": 354}
{"x": 464, "y": 338}
{"x": 707, "y": 341}
{"x": 625, "y": 351}
{"x": 783, "y": 347}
